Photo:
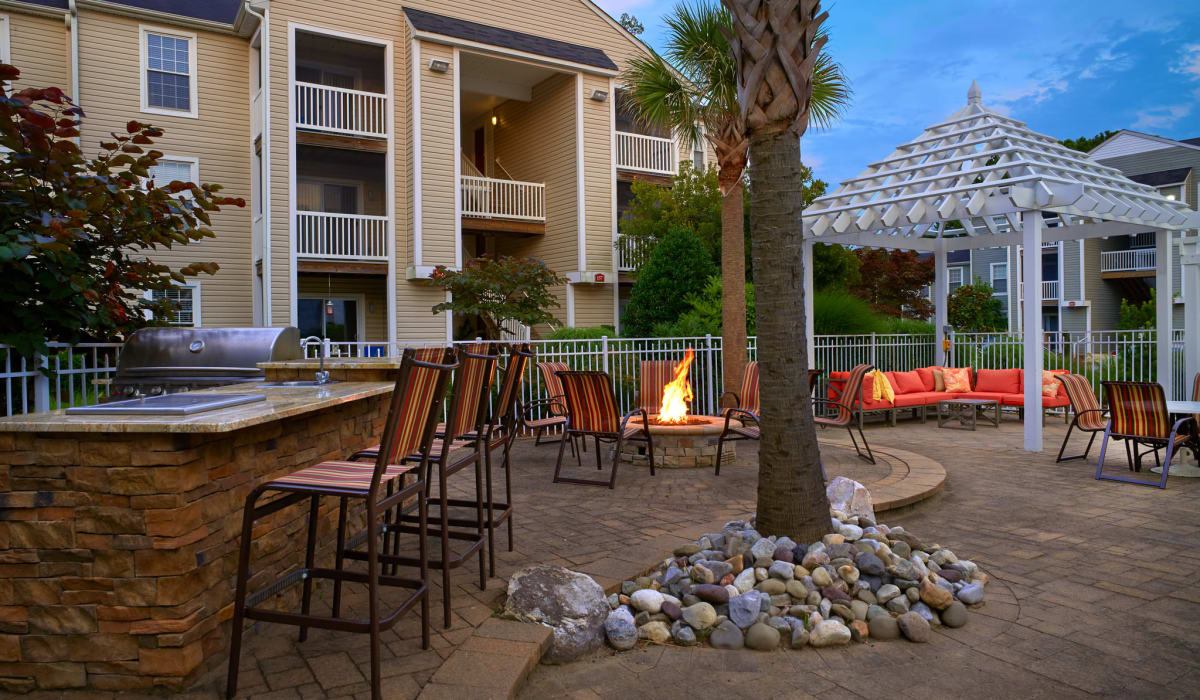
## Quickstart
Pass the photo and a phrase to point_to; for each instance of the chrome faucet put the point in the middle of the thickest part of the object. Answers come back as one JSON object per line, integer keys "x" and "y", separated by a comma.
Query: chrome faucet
{"x": 321, "y": 376}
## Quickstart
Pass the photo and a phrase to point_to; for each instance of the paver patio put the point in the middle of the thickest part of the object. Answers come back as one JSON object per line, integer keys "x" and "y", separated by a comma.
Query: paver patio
{"x": 1094, "y": 589}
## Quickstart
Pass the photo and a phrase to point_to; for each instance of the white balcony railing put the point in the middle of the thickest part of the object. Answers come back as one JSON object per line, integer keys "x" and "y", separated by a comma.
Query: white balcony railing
{"x": 631, "y": 252}
{"x": 490, "y": 197}
{"x": 647, "y": 154}
{"x": 341, "y": 110}
{"x": 341, "y": 236}
{"x": 1050, "y": 289}
{"x": 1127, "y": 260}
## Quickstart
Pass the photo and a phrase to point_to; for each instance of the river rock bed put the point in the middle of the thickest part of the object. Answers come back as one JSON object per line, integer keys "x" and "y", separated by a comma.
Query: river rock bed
{"x": 736, "y": 589}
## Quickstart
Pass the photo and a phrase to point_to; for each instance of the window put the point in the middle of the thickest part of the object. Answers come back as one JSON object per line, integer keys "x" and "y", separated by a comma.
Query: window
{"x": 954, "y": 279}
{"x": 5, "y": 46}
{"x": 186, "y": 299}
{"x": 170, "y": 169}
{"x": 168, "y": 73}
{"x": 1000, "y": 279}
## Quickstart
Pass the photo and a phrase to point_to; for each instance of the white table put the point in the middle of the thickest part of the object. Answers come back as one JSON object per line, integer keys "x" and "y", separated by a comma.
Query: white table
{"x": 1182, "y": 468}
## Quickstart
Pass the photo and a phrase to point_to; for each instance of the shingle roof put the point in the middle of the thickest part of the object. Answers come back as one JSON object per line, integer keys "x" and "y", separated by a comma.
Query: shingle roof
{"x": 1194, "y": 142}
{"x": 224, "y": 11}
{"x": 506, "y": 38}
{"x": 1162, "y": 177}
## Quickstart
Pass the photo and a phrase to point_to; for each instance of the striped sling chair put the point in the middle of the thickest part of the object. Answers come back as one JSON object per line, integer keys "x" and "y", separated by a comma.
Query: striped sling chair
{"x": 1139, "y": 417}
{"x": 1089, "y": 416}
{"x": 741, "y": 422}
{"x": 653, "y": 377}
{"x": 549, "y": 413}
{"x": 592, "y": 412}
{"x": 415, "y": 405}
{"x": 842, "y": 413}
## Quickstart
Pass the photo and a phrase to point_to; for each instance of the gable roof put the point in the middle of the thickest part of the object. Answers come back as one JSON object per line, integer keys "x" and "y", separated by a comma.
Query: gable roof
{"x": 1194, "y": 142}
{"x": 1128, "y": 142}
{"x": 506, "y": 38}
{"x": 1162, "y": 177}
{"x": 222, "y": 11}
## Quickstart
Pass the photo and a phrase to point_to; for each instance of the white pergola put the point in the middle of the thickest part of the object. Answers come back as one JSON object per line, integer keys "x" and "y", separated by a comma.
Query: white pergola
{"x": 979, "y": 179}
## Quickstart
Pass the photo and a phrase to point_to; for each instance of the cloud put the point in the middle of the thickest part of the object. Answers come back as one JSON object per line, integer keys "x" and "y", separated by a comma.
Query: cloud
{"x": 1107, "y": 61}
{"x": 1189, "y": 62}
{"x": 1161, "y": 117}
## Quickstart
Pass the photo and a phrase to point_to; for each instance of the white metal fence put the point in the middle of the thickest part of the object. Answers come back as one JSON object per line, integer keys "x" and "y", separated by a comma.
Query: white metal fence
{"x": 631, "y": 253}
{"x": 647, "y": 154}
{"x": 341, "y": 236}
{"x": 74, "y": 376}
{"x": 508, "y": 199}
{"x": 1127, "y": 260}
{"x": 341, "y": 110}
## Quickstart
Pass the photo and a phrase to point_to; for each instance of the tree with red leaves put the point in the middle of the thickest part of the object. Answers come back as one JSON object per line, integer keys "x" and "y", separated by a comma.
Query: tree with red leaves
{"x": 74, "y": 232}
{"x": 893, "y": 282}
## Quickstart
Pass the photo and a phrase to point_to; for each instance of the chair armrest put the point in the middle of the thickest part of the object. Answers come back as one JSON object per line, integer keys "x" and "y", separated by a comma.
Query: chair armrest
{"x": 526, "y": 409}
{"x": 1179, "y": 423}
{"x": 831, "y": 402}
{"x": 631, "y": 414}
{"x": 737, "y": 400}
{"x": 740, "y": 413}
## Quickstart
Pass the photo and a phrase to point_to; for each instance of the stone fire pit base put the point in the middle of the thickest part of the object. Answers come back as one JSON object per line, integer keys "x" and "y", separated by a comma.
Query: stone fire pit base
{"x": 692, "y": 446}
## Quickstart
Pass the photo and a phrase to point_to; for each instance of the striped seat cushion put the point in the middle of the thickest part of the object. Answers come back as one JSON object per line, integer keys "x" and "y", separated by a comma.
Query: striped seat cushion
{"x": 750, "y": 431}
{"x": 590, "y": 402}
{"x": 655, "y": 374}
{"x": 546, "y": 422}
{"x": 348, "y": 476}
{"x": 749, "y": 396}
{"x": 1139, "y": 409}
{"x": 1083, "y": 401}
{"x": 554, "y": 387}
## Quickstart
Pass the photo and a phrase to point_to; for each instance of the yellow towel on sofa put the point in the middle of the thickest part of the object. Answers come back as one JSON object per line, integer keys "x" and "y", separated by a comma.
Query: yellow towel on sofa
{"x": 881, "y": 388}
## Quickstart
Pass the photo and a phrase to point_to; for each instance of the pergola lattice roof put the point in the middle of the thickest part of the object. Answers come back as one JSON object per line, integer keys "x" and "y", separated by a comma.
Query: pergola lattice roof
{"x": 967, "y": 180}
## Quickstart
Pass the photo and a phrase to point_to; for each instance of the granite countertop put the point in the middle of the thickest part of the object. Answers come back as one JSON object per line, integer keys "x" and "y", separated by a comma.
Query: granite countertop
{"x": 334, "y": 363}
{"x": 281, "y": 402}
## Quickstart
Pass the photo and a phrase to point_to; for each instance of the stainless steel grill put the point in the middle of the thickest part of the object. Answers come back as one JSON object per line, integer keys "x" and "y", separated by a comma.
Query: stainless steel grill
{"x": 170, "y": 360}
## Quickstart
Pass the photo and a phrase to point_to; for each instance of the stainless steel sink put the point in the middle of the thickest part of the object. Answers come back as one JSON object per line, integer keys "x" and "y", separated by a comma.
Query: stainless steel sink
{"x": 168, "y": 405}
{"x": 299, "y": 383}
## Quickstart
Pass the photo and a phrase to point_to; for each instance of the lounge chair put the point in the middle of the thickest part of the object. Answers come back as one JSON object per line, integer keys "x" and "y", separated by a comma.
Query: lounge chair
{"x": 842, "y": 415}
{"x": 1140, "y": 418}
{"x": 592, "y": 412}
{"x": 1088, "y": 415}
{"x": 741, "y": 422}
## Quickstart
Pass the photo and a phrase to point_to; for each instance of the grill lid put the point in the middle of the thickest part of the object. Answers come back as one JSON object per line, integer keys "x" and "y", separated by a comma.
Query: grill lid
{"x": 200, "y": 353}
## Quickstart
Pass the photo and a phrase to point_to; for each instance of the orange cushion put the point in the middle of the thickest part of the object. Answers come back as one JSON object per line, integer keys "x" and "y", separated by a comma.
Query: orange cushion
{"x": 985, "y": 395}
{"x": 908, "y": 382}
{"x": 923, "y": 398}
{"x": 1047, "y": 401}
{"x": 926, "y": 375}
{"x": 958, "y": 379}
{"x": 1051, "y": 387}
{"x": 1001, "y": 381}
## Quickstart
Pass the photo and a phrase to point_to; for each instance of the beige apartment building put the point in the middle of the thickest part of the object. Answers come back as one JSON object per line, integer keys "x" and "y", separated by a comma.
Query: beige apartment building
{"x": 372, "y": 140}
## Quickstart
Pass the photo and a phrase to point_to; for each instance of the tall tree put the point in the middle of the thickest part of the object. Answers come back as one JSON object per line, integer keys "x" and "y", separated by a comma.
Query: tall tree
{"x": 1087, "y": 143}
{"x": 632, "y": 24}
{"x": 777, "y": 47}
{"x": 893, "y": 282}
{"x": 696, "y": 94}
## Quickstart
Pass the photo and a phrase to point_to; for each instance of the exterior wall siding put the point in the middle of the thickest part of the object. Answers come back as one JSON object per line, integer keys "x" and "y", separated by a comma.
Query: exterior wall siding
{"x": 40, "y": 48}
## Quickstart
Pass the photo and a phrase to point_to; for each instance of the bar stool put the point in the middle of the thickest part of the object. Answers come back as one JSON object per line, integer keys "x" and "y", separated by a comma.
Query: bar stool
{"x": 412, "y": 416}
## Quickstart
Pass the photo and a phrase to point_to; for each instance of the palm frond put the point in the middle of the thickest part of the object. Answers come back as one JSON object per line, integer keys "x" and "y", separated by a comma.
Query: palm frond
{"x": 660, "y": 98}
{"x": 831, "y": 91}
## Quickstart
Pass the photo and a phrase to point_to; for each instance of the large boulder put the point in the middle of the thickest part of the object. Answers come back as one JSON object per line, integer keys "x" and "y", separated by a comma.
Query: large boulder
{"x": 850, "y": 497}
{"x": 569, "y": 603}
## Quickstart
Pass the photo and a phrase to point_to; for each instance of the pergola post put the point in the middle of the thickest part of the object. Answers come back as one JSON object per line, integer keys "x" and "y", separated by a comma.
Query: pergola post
{"x": 939, "y": 302}
{"x": 1190, "y": 257}
{"x": 1164, "y": 309}
{"x": 809, "y": 325}
{"x": 1031, "y": 285}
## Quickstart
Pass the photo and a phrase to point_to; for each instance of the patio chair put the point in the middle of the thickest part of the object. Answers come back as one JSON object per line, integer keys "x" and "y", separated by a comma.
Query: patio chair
{"x": 1088, "y": 415}
{"x": 592, "y": 411}
{"x": 415, "y": 406}
{"x": 747, "y": 426}
{"x": 553, "y": 404}
{"x": 653, "y": 377}
{"x": 1140, "y": 418}
{"x": 840, "y": 414}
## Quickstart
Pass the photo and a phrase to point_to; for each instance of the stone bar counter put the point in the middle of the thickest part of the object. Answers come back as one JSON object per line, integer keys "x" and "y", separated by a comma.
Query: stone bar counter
{"x": 119, "y": 534}
{"x": 342, "y": 369}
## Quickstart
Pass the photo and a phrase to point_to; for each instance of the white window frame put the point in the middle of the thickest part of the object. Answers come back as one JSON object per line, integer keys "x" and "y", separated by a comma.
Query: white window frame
{"x": 196, "y": 305}
{"x": 144, "y": 31}
{"x": 194, "y": 176}
{"x": 992, "y": 278}
{"x": 950, "y": 271}
{"x": 5, "y": 41}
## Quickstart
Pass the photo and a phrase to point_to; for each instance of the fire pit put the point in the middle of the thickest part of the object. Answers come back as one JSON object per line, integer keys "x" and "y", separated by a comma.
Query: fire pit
{"x": 681, "y": 440}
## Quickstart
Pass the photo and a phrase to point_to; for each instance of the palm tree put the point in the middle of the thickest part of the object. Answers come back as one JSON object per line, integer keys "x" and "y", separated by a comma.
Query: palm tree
{"x": 776, "y": 45}
{"x": 695, "y": 94}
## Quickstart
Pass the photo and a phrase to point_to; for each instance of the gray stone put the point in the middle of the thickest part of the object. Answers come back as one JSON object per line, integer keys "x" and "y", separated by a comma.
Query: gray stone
{"x": 744, "y": 609}
{"x": 762, "y": 637}
{"x": 671, "y": 609}
{"x": 622, "y": 634}
{"x": 868, "y": 563}
{"x": 913, "y": 594}
{"x": 971, "y": 594}
{"x": 782, "y": 570}
{"x": 906, "y": 569}
{"x": 874, "y": 611}
{"x": 719, "y": 569}
{"x": 866, "y": 596}
{"x": 614, "y": 601}
{"x": 655, "y": 631}
{"x": 700, "y": 616}
{"x": 683, "y": 635}
{"x": 799, "y": 636}
{"x": 840, "y": 550}
{"x": 914, "y": 627}
{"x": 850, "y": 532}
{"x": 646, "y": 599}
{"x": 883, "y": 627}
{"x": 763, "y": 548}
{"x": 783, "y": 553}
{"x": 711, "y": 593}
{"x": 701, "y": 573}
{"x": 785, "y": 542}
{"x": 924, "y": 611}
{"x": 901, "y": 549}
{"x": 849, "y": 497}
{"x": 829, "y": 633}
{"x": 744, "y": 581}
{"x": 821, "y": 577}
{"x": 570, "y": 603}
{"x": 628, "y": 587}
{"x": 859, "y": 608}
{"x": 886, "y": 592}
{"x": 780, "y": 624}
{"x": 796, "y": 589}
{"x": 772, "y": 586}
{"x": 672, "y": 574}
{"x": 955, "y": 615}
{"x": 899, "y": 604}
{"x": 726, "y": 636}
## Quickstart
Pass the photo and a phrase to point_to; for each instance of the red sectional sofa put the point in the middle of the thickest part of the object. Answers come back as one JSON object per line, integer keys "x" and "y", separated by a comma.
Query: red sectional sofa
{"x": 915, "y": 390}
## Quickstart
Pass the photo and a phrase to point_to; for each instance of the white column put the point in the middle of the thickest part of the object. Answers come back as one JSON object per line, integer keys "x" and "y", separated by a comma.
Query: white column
{"x": 1031, "y": 284}
{"x": 809, "y": 326}
{"x": 939, "y": 302}
{"x": 1164, "y": 295}
{"x": 1190, "y": 257}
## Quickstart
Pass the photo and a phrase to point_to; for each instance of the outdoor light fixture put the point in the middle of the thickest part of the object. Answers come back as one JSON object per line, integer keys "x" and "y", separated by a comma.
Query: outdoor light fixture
{"x": 437, "y": 65}
{"x": 493, "y": 120}
{"x": 599, "y": 95}
{"x": 329, "y": 307}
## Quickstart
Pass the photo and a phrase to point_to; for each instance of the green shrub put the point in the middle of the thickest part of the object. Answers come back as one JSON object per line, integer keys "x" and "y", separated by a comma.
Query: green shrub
{"x": 583, "y": 333}
{"x": 973, "y": 309}
{"x": 841, "y": 313}
{"x": 678, "y": 268}
{"x": 907, "y": 326}
{"x": 1137, "y": 316}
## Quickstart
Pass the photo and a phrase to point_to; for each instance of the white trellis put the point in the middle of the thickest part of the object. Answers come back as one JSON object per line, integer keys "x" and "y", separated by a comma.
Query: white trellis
{"x": 979, "y": 179}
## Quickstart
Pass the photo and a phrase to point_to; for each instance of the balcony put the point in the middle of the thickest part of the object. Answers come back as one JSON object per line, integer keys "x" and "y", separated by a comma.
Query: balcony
{"x": 631, "y": 252}
{"x": 646, "y": 154}
{"x": 1135, "y": 260}
{"x": 339, "y": 110}
{"x": 1050, "y": 290}
{"x": 326, "y": 236}
{"x": 493, "y": 198}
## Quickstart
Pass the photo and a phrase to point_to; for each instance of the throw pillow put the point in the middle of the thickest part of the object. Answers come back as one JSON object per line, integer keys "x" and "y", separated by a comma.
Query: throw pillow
{"x": 908, "y": 383}
{"x": 939, "y": 380}
{"x": 1050, "y": 385}
{"x": 958, "y": 379}
{"x": 883, "y": 388}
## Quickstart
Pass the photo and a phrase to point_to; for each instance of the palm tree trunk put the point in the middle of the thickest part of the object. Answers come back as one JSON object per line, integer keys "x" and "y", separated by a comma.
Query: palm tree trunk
{"x": 791, "y": 492}
{"x": 733, "y": 288}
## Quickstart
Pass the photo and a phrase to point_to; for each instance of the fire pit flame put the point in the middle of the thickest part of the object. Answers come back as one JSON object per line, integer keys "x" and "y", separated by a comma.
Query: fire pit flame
{"x": 677, "y": 394}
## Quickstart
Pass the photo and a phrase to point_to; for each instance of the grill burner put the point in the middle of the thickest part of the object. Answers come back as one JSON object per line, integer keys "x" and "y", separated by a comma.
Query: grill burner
{"x": 171, "y": 360}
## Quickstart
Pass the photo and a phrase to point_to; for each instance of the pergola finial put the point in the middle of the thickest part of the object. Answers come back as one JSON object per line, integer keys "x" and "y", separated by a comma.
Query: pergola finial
{"x": 974, "y": 94}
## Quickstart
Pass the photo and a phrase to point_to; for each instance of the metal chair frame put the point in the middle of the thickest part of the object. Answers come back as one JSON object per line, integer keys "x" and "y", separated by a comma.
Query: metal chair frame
{"x": 1170, "y": 441}
{"x": 619, "y": 437}
{"x": 847, "y": 409}
{"x": 1075, "y": 422}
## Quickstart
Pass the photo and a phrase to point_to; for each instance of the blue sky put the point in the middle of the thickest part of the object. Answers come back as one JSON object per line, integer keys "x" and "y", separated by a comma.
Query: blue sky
{"x": 1066, "y": 74}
